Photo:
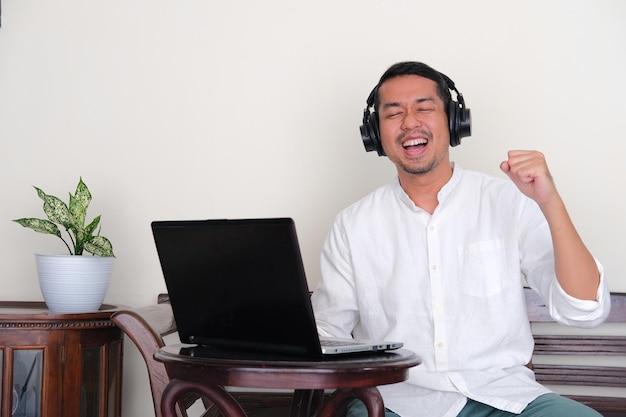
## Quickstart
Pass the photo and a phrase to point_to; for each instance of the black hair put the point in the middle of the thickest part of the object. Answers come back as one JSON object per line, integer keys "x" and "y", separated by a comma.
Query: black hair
{"x": 414, "y": 68}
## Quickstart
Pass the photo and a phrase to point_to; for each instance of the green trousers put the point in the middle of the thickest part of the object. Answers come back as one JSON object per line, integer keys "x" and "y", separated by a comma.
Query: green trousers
{"x": 547, "y": 405}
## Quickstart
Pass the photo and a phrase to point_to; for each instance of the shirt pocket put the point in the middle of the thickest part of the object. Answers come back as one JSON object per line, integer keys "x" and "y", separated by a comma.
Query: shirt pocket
{"x": 483, "y": 268}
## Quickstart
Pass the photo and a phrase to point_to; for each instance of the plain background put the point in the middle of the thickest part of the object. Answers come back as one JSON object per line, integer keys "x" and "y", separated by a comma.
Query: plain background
{"x": 195, "y": 109}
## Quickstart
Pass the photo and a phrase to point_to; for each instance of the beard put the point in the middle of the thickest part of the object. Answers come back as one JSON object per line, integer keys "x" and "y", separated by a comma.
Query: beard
{"x": 419, "y": 170}
{"x": 418, "y": 166}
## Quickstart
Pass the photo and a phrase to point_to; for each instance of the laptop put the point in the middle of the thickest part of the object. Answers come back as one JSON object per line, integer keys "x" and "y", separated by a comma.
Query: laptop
{"x": 239, "y": 285}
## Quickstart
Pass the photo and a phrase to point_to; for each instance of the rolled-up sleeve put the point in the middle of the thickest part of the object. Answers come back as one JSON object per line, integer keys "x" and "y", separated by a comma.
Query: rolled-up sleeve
{"x": 571, "y": 311}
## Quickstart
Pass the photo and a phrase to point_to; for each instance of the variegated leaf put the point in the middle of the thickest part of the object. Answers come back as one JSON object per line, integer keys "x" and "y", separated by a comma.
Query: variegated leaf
{"x": 40, "y": 225}
{"x": 89, "y": 229}
{"x": 100, "y": 246}
{"x": 78, "y": 211}
{"x": 82, "y": 193}
{"x": 56, "y": 210}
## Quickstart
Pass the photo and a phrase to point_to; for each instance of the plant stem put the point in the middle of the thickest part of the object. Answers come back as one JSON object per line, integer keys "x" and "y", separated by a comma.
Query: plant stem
{"x": 66, "y": 245}
{"x": 73, "y": 243}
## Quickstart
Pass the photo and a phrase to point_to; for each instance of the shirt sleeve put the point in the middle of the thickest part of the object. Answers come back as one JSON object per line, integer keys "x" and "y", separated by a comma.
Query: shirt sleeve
{"x": 334, "y": 300}
{"x": 571, "y": 311}
{"x": 537, "y": 258}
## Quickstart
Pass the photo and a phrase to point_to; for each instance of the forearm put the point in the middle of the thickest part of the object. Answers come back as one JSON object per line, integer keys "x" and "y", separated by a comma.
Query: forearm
{"x": 575, "y": 267}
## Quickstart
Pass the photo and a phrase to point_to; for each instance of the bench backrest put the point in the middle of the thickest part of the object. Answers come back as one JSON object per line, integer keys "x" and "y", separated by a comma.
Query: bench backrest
{"x": 553, "y": 372}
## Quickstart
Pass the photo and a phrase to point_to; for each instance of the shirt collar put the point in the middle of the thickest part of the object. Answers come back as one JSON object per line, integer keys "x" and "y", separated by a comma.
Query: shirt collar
{"x": 445, "y": 191}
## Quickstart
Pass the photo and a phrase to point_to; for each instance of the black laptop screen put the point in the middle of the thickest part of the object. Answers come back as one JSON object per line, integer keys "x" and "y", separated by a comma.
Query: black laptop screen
{"x": 237, "y": 283}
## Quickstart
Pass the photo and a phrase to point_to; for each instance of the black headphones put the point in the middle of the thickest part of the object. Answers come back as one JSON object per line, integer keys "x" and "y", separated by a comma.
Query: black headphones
{"x": 459, "y": 119}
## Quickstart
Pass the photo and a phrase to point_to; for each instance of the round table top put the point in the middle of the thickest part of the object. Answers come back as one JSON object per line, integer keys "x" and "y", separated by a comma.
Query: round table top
{"x": 254, "y": 370}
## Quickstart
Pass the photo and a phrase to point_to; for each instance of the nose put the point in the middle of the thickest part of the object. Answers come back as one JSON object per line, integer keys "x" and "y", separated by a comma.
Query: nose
{"x": 411, "y": 121}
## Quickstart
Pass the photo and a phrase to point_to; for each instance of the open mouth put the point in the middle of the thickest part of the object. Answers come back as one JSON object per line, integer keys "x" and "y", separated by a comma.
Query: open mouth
{"x": 414, "y": 143}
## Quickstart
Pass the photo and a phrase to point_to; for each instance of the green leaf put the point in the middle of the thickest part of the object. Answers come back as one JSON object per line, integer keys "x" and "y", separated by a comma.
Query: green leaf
{"x": 82, "y": 194}
{"x": 92, "y": 226}
{"x": 40, "y": 193}
{"x": 78, "y": 211}
{"x": 79, "y": 242}
{"x": 100, "y": 246}
{"x": 40, "y": 225}
{"x": 56, "y": 210}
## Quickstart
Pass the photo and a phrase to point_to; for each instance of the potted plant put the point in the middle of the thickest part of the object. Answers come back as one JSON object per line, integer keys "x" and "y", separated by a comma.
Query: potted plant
{"x": 75, "y": 282}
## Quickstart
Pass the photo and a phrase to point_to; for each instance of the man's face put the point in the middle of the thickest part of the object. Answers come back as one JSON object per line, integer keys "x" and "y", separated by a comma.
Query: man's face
{"x": 413, "y": 124}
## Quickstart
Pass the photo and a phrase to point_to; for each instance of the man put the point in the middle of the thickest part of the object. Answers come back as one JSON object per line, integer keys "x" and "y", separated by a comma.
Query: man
{"x": 434, "y": 259}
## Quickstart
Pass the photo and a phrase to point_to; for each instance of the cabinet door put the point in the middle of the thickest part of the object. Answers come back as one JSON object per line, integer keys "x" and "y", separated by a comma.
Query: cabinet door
{"x": 27, "y": 382}
{"x": 30, "y": 363}
{"x": 95, "y": 374}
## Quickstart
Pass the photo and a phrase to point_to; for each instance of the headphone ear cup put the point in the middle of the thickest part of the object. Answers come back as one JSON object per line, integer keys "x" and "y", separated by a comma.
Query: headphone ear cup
{"x": 371, "y": 134}
{"x": 455, "y": 140}
{"x": 459, "y": 121}
{"x": 464, "y": 123}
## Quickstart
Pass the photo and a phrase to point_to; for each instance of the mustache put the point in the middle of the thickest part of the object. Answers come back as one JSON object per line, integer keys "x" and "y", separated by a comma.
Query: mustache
{"x": 422, "y": 132}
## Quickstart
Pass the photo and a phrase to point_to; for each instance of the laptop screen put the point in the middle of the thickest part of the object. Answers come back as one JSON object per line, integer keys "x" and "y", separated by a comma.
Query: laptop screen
{"x": 238, "y": 284}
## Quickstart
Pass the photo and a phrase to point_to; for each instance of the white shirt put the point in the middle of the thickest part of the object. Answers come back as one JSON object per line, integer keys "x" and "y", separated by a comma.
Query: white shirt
{"x": 449, "y": 286}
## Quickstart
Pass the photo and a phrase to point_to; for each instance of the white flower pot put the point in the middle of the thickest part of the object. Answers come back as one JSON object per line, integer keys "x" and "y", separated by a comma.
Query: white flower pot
{"x": 73, "y": 284}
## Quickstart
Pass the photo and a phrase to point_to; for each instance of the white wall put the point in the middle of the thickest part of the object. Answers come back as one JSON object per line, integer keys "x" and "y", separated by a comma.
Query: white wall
{"x": 200, "y": 109}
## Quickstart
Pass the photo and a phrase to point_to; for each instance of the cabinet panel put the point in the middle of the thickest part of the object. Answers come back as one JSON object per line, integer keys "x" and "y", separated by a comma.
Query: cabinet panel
{"x": 54, "y": 365}
{"x": 27, "y": 382}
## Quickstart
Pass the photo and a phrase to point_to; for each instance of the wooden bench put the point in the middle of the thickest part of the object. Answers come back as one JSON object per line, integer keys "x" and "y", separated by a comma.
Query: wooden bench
{"x": 146, "y": 326}
{"x": 551, "y": 347}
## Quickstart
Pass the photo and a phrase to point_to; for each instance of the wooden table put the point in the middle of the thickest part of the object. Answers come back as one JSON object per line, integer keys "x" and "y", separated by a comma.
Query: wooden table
{"x": 59, "y": 365}
{"x": 356, "y": 376}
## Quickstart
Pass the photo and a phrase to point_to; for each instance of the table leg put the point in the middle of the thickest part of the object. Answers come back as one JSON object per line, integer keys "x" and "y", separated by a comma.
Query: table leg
{"x": 306, "y": 402}
{"x": 341, "y": 398}
{"x": 216, "y": 394}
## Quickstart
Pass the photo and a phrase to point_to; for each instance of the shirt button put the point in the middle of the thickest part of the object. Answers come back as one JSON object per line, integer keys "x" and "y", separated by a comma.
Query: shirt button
{"x": 440, "y": 344}
{"x": 431, "y": 228}
{"x": 435, "y": 267}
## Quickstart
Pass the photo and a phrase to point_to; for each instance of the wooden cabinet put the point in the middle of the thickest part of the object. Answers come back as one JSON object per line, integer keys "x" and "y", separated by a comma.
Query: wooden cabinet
{"x": 59, "y": 365}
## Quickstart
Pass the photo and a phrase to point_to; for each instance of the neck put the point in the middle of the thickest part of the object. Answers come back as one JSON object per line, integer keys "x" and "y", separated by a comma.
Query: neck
{"x": 423, "y": 189}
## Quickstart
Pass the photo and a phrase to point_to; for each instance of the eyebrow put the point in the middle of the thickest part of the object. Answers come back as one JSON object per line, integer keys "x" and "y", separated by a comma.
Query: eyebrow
{"x": 416, "y": 101}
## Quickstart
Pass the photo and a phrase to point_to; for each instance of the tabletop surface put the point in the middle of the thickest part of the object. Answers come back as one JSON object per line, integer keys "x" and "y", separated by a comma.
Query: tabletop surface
{"x": 253, "y": 370}
{"x": 242, "y": 359}
{"x": 21, "y": 310}
{"x": 208, "y": 366}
